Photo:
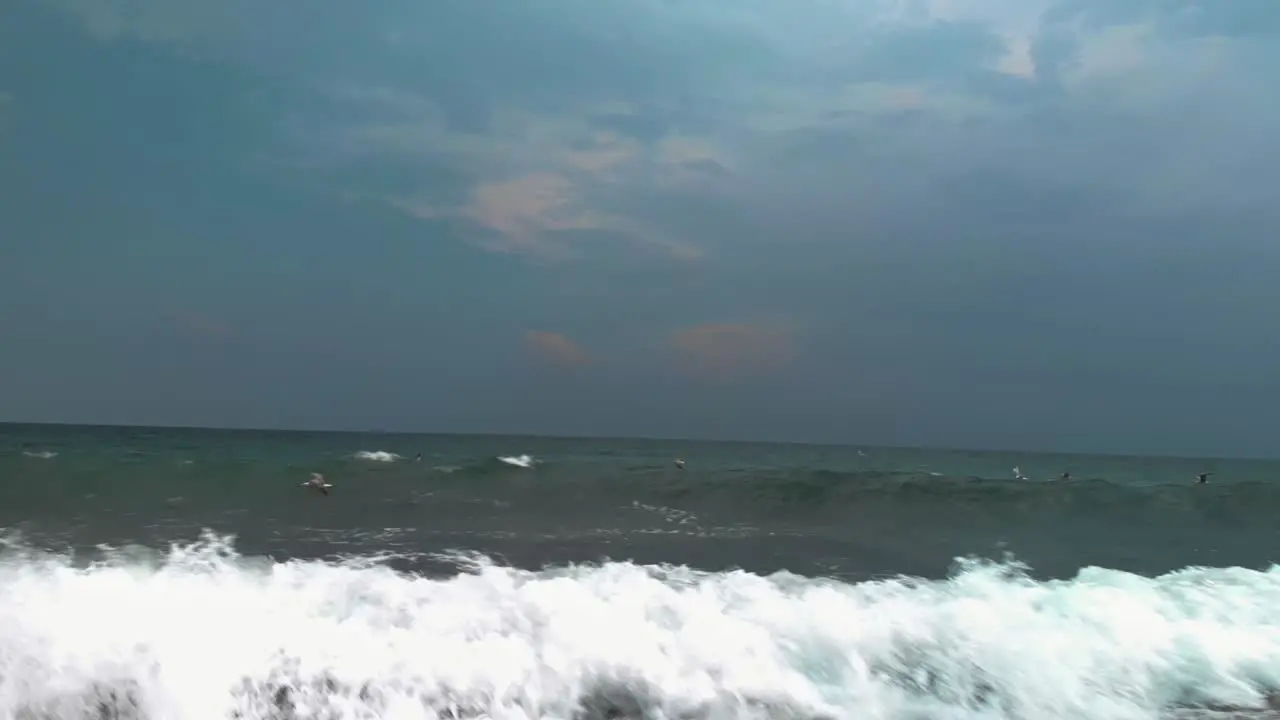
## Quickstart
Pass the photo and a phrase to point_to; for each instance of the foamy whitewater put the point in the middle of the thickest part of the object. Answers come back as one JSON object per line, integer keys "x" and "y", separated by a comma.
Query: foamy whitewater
{"x": 594, "y": 580}
{"x": 377, "y": 456}
{"x": 206, "y": 633}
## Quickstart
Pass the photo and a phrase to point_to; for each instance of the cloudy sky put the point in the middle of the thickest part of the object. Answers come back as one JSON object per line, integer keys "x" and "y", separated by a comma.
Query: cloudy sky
{"x": 985, "y": 223}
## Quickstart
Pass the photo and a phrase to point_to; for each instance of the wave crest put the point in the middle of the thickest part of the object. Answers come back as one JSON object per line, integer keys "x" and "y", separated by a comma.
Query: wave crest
{"x": 377, "y": 456}
{"x": 520, "y": 461}
{"x": 201, "y": 629}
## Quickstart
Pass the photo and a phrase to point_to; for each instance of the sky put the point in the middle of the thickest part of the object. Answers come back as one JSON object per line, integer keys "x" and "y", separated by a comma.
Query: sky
{"x": 1027, "y": 224}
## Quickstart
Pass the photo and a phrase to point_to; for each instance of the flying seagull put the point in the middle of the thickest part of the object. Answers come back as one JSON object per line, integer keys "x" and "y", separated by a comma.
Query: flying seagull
{"x": 317, "y": 482}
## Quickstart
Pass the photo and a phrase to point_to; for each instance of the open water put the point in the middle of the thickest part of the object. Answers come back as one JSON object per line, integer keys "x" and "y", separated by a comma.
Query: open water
{"x": 160, "y": 573}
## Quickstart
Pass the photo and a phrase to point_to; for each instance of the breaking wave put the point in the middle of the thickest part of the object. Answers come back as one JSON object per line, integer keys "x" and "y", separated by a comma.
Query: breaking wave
{"x": 200, "y": 631}
{"x": 521, "y": 461}
{"x": 376, "y": 456}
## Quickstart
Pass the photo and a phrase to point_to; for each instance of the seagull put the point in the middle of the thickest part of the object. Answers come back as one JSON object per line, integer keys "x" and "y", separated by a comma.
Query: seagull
{"x": 679, "y": 462}
{"x": 317, "y": 482}
{"x": 1203, "y": 478}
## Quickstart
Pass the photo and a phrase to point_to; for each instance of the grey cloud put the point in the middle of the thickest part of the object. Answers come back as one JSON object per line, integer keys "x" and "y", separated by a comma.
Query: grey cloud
{"x": 519, "y": 51}
{"x": 944, "y": 52}
{"x": 1181, "y": 19}
{"x": 585, "y": 94}
{"x": 993, "y": 202}
{"x": 891, "y": 97}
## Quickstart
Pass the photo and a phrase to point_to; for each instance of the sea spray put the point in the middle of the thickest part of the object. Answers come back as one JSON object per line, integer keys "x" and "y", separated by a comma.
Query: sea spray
{"x": 202, "y": 632}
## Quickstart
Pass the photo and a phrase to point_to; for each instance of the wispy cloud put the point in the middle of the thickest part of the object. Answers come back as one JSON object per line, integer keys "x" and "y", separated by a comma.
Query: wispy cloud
{"x": 951, "y": 173}
{"x": 555, "y": 349}
{"x": 524, "y": 209}
{"x": 533, "y": 178}
{"x": 602, "y": 152}
{"x": 548, "y": 144}
{"x": 731, "y": 350}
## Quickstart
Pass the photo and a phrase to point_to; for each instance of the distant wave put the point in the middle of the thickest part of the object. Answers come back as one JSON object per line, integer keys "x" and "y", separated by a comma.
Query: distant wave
{"x": 523, "y": 461}
{"x": 488, "y": 467}
{"x": 825, "y": 487}
{"x": 354, "y": 639}
{"x": 671, "y": 515}
{"x": 700, "y": 489}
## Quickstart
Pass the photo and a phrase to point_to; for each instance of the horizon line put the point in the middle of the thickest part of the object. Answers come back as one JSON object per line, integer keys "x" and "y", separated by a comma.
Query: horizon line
{"x": 598, "y": 438}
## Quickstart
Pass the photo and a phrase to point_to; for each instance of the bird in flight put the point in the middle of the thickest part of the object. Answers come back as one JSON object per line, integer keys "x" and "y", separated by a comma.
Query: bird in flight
{"x": 317, "y": 482}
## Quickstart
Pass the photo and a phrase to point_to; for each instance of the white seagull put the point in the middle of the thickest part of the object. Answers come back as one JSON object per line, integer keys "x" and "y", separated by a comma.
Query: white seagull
{"x": 317, "y": 482}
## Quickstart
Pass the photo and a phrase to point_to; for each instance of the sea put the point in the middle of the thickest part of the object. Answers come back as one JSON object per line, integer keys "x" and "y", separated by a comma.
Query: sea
{"x": 181, "y": 574}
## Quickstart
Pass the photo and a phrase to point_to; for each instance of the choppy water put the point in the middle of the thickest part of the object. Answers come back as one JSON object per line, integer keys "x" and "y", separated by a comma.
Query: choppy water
{"x": 184, "y": 574}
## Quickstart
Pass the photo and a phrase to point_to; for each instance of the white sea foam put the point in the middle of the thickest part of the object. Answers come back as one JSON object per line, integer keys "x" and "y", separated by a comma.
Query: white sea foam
{"x": 523, "y": 461}
{"x": 40, "y": 454}
{"x": 377, "y": 456}
{"x": 671, "y": 515}
{"x": 203, "y": 633}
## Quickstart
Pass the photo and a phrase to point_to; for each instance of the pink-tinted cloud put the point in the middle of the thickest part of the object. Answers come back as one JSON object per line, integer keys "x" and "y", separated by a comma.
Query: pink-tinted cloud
{"x": 555, "y": 349}
{"x": 520, "y": 210}
{"x": 732, "y": 349}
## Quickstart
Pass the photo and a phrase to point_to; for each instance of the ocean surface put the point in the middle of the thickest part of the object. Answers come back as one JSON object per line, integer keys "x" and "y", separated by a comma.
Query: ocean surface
{"x": 176, "y": 574}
